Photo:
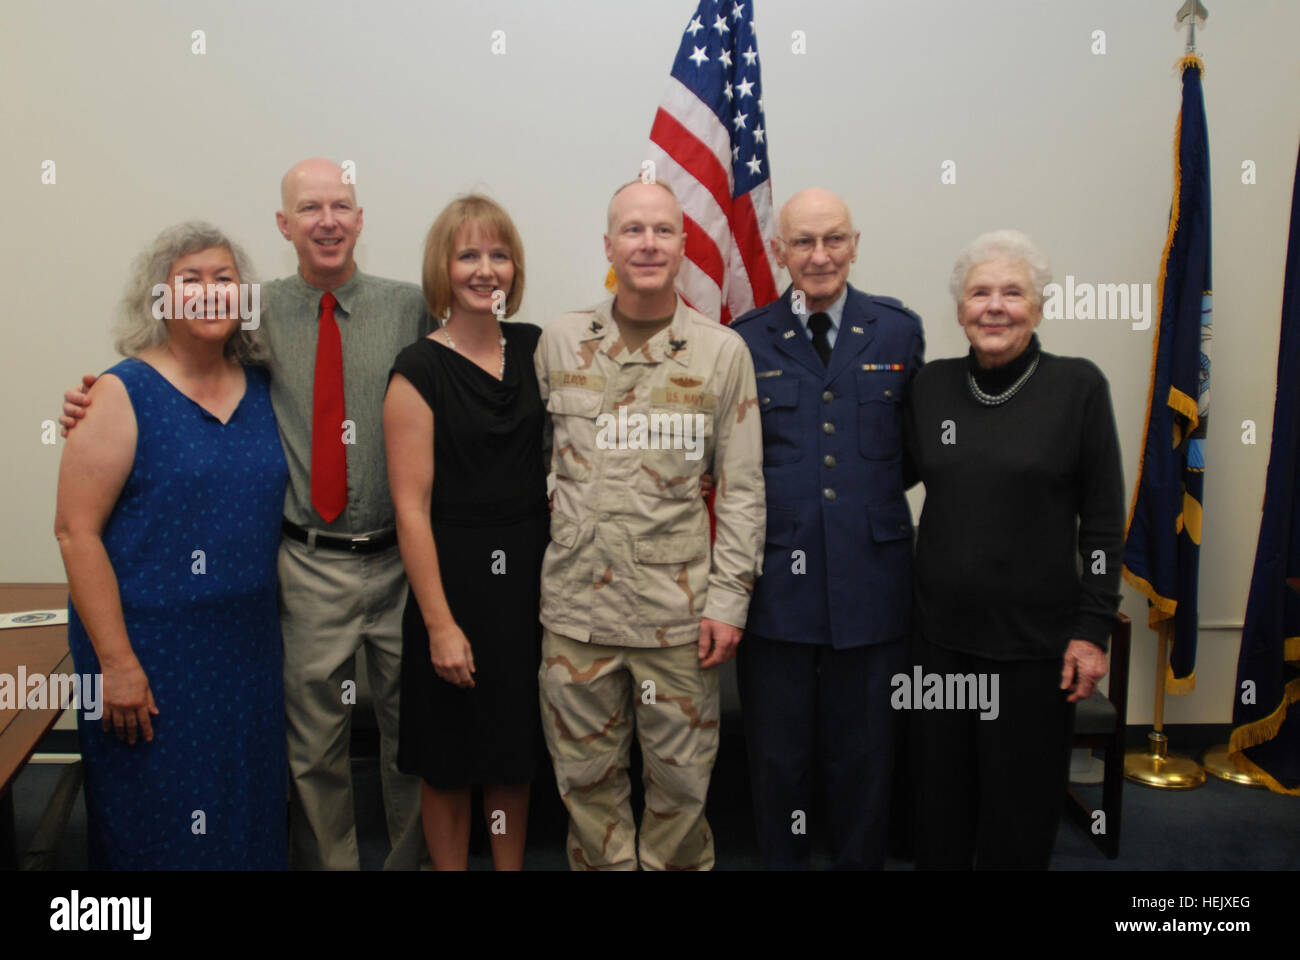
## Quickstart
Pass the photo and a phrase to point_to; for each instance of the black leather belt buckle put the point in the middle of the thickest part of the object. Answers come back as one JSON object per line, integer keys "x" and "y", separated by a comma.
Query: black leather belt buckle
{"x": 328, "y": 541}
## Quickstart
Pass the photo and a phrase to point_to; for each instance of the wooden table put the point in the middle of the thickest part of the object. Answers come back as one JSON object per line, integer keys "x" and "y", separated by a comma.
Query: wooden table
{"x": 42, "y": 650}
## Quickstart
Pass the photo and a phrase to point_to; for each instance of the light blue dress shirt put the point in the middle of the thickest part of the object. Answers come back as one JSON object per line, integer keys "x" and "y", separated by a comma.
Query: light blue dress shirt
{"x": 835, "y": 311}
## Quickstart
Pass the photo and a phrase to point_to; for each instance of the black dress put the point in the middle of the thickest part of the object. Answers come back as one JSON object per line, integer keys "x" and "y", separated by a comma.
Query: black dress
{"x": 490, "y": 526}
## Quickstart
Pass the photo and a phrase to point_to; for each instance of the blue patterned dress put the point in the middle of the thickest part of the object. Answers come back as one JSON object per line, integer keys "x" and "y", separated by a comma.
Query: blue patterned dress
{"x": 193, "y": 541}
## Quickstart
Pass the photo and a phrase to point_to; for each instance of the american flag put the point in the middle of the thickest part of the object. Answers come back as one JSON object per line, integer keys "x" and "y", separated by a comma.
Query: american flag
{"x": 709, "y": 145}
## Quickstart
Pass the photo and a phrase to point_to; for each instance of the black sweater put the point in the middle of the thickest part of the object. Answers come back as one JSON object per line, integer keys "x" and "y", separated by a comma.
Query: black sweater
{"x": 1014, "y": 498}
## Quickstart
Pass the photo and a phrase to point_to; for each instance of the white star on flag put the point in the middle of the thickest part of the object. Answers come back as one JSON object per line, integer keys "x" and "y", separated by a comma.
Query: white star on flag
{"x": 698, "y": 137}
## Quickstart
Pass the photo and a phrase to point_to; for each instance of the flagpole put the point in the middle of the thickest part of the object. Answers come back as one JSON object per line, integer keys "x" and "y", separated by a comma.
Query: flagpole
{"x": 1215, "y": 760}
{"x": 1156, "y": 766}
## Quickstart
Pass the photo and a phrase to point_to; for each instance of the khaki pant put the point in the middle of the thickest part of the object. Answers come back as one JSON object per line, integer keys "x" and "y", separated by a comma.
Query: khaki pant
{"x": 590, "y": 695}
{"x": 331, "y": 603}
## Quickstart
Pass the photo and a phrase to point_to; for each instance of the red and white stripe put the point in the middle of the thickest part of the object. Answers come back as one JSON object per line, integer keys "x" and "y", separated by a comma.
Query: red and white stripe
{"x": 728, "y": 268}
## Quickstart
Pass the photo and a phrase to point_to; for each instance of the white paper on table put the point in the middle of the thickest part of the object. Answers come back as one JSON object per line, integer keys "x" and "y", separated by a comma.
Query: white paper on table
{"x": 34, "y": 618}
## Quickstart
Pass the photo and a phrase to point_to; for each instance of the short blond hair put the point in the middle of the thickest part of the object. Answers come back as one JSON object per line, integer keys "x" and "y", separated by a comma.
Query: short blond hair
{"x": 609, "y": 213}
{"x": 439, "y": 247}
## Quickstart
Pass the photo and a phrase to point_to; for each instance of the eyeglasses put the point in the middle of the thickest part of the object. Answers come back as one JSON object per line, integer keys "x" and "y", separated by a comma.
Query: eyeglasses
{"x": 832, "y": 242}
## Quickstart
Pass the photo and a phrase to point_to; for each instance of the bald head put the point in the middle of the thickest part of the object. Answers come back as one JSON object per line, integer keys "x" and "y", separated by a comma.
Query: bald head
{"x": 635, "y": 190}
{"x": 814, "y": 202}
{"x": 315, "y": 171}
{"x": 818, "y": 245}
{"x": 320, "y": 217}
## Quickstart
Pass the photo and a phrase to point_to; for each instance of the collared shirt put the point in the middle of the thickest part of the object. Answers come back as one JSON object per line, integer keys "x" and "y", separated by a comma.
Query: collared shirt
{"x": 629, "y": 561}
{"x": 835, "y": 311}
{"x": 377, "y": 317}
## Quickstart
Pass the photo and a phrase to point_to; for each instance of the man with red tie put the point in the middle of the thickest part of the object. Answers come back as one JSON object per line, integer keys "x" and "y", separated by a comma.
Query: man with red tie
{"x": 333, "y": 332}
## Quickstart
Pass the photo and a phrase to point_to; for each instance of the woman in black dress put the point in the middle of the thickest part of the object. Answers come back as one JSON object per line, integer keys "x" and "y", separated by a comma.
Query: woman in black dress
{"x": 463, "y": 424}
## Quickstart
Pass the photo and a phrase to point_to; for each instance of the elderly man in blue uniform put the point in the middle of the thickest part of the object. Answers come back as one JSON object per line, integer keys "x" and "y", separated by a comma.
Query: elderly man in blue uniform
{"x": 832, "y": 609}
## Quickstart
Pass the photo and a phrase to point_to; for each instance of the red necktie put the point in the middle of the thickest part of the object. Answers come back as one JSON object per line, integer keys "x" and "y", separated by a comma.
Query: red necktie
{"x": 329, "y": 460}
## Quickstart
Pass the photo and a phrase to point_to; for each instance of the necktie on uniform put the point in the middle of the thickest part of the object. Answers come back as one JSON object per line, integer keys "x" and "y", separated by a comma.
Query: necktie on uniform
{"x": 819, "y": 323}
{"x": 329, "y": 461}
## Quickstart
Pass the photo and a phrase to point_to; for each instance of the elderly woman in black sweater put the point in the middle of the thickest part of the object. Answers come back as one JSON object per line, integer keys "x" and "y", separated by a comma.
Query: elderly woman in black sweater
{"x": 1017, "y": 566}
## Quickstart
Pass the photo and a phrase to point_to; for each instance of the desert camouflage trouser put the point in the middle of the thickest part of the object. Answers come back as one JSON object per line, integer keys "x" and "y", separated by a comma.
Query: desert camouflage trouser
{"x": 590, "y": 694}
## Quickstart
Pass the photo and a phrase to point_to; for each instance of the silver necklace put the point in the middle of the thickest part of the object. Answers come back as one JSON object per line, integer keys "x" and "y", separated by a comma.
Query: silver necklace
{"x": 501, "y": 371}
{"x": 995, "y": 399}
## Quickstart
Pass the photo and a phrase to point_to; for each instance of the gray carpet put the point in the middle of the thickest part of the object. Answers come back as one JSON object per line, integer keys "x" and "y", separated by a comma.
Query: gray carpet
{"x": 1216, "y": 827}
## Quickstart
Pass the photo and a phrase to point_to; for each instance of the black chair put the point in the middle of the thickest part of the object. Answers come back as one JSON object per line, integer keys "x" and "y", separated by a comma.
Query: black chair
{"x": 1102, "y": 722}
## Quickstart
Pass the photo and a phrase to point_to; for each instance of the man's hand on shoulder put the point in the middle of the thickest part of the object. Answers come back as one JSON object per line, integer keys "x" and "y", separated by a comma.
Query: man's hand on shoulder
{"x": 75, "y": 402}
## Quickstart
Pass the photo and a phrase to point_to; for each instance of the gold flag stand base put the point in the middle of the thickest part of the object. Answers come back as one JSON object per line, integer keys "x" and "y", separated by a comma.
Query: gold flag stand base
{"x": 1154, "y": 767}
{"x": 1216, "y": 762}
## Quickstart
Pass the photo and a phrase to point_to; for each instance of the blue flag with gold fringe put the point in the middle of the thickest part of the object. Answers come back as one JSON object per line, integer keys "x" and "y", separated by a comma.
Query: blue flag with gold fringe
{"x": 1163, "y": 542}
{"x": 1264, "y": 742}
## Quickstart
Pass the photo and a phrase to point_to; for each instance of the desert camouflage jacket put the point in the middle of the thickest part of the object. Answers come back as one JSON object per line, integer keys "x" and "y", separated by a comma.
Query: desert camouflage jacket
{"x": 629, "y": 562}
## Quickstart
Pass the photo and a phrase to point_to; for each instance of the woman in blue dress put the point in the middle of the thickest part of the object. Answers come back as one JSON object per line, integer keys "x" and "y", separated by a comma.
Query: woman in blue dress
{"x": 169, "y": 503}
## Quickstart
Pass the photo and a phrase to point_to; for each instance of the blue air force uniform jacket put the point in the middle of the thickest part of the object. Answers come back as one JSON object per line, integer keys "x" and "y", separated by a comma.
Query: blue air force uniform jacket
{"x": 837, "y": 564}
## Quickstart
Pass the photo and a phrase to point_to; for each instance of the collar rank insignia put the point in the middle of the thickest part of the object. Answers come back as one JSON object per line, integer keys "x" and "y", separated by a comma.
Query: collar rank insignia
{"x": 595, "y": 326}
{"x": 675, "y": 345}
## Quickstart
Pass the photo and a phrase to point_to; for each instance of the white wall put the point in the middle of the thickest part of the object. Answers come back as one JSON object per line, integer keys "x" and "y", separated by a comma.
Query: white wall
{"x": 1073, "y": 147}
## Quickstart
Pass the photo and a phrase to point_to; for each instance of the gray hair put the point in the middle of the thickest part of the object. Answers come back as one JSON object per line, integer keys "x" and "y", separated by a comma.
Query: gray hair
{"x": 137, "y": 329}
{"x": 1010, "y": 245}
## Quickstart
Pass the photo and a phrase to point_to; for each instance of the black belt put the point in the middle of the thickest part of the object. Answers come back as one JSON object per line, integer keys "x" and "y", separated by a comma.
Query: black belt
{"x": 328, "y": 541}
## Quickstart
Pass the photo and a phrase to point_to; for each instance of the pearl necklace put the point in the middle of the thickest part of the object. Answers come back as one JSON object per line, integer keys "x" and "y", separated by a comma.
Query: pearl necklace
{"x": 501, "y": 371}
{"x": 993, "y": 400}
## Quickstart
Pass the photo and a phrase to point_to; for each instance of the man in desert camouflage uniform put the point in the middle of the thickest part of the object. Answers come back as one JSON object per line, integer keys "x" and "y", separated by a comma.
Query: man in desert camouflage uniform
{"x": 645, "y": 395}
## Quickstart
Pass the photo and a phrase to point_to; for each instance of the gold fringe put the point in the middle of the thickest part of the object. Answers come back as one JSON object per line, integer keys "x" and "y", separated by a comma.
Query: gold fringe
{"x": 1162, "y": 607}
{"x": 1291, "y": 648}
{"x": 1160, "y": 300}
{"x": 1262, "y": 731}
{"x": 1182, "y": 403}
{"x": 1179, "y": 686}
{"x": 1192, "y": 517}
